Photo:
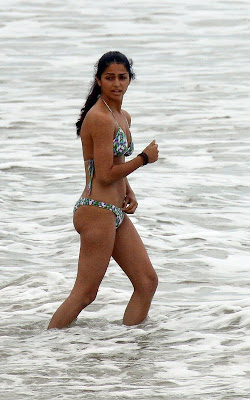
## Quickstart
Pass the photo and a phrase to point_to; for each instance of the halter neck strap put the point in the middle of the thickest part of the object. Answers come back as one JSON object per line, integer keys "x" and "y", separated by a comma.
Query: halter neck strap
{"x": 113, "y": 113}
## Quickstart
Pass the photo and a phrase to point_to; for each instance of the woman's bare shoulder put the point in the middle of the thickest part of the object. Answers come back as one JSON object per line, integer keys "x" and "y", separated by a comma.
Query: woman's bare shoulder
{"x": 128, "y": 117}
{"x": 97, "y": 121}
{"x": 95, "y": 115}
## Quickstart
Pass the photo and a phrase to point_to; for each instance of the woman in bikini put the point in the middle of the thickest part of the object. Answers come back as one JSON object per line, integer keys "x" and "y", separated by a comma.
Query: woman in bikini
{"x": 100, "y": 215}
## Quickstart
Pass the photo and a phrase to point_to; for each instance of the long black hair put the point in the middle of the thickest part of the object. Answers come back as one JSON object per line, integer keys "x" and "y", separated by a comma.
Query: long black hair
{"x": 95, "y": 90}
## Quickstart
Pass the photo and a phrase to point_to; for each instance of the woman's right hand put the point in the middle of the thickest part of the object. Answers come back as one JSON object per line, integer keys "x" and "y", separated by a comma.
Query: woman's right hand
{"x": 152, "y": 152}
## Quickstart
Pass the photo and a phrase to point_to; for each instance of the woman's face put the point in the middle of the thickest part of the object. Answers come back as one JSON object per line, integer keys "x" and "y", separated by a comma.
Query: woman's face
{"x": 114, "y": 81}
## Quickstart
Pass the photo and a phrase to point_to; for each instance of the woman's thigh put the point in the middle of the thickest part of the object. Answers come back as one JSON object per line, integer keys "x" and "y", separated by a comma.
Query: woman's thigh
{"x": 96, "y": 227}
{"x": 130, "y": 253}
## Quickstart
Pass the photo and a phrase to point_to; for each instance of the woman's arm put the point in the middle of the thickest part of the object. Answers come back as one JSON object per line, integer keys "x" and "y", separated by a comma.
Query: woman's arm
{"x": 102, "y": 132}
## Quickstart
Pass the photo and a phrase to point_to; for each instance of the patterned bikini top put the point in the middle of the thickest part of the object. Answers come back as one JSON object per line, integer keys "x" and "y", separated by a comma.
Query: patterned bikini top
{"x": 120, "y": 144}
{"x": 120, "y": 141}
{"x": 120, "y": 148}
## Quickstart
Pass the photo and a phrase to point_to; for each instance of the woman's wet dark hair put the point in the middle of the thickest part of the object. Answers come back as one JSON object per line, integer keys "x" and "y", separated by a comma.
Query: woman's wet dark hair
{"x": 95, "y": 90}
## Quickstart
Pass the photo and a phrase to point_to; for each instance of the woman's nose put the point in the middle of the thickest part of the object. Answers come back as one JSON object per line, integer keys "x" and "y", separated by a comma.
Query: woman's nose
{"x": 117, "y": 82}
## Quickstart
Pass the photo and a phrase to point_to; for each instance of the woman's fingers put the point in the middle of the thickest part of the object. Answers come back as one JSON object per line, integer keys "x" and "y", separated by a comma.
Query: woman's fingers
{"x": 129, "y": 208}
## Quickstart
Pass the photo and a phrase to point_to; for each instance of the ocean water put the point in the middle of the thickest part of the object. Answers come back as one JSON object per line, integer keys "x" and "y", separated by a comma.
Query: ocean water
{"x": 191, "y": 95}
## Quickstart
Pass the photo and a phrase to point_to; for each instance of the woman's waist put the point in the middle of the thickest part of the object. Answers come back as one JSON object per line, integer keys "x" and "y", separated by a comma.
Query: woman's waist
{"x": 113, "y": 194}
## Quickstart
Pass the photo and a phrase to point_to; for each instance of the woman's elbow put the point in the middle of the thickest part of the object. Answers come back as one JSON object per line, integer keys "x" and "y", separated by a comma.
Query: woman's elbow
{"x": 104, "y": 180}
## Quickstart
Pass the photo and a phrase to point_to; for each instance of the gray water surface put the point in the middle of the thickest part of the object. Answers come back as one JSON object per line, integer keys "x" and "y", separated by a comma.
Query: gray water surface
{"x": 191, "y": 95}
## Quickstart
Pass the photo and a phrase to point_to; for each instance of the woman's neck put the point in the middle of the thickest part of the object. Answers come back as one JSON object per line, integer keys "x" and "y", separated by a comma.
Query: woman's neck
{"x": 113, "y": 105}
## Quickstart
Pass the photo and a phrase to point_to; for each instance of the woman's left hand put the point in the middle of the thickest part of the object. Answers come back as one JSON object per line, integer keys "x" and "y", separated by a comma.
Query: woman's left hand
{"x": 130, "y": 203}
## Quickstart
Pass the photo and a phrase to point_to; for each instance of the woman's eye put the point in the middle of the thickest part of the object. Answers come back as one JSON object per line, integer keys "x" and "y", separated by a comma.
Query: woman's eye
{"x": 110, "y": 78}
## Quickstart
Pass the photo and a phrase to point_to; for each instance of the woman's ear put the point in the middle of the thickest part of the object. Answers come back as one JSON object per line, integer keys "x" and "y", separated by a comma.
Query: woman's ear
{"x": 98, "y": 81}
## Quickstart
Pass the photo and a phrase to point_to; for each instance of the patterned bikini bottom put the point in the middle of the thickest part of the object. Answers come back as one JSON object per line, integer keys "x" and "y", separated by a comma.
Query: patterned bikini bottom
{"x": 84, "y": 201}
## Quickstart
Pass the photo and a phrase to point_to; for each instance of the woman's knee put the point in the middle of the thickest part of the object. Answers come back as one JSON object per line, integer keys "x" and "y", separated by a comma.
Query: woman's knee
{"x": 153, "y": 281}
{"x": 90, "y": 296}
{"x": 85, "y": 297}
{"x": 149, "y": 283}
